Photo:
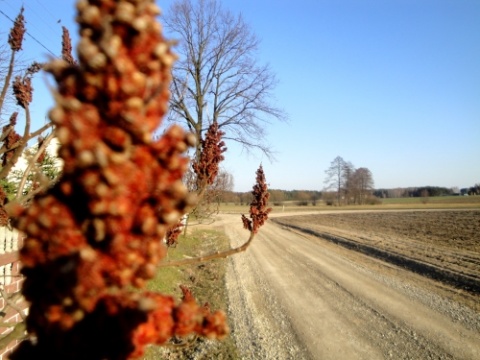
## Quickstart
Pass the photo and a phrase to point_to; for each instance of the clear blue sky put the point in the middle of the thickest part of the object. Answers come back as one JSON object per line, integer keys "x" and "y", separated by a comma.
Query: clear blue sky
{"x": 391, "y": 85}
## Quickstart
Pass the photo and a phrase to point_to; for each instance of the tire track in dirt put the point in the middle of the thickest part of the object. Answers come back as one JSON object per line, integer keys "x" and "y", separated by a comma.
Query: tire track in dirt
{"x": 295, "y": 297}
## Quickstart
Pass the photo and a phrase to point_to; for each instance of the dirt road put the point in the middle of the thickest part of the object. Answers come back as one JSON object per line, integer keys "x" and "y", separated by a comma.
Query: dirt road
{"x": 294, "y": 296}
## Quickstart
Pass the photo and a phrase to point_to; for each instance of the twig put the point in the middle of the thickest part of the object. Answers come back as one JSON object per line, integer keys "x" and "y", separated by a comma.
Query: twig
{"x": 212, "y": 256}
{"x": 28, "y": 138}
{"x": 184, "y": 344}
{"x": 32, "y": 163}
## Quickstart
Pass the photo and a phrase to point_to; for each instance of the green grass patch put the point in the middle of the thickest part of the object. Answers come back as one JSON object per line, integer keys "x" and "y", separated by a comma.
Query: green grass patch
{"x": 207, "y": 283}
{"x": 434, "y": 202}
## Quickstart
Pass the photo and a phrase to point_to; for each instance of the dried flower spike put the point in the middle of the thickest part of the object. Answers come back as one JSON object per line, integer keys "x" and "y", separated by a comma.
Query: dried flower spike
{"x": 34, "y": 68}
{"x": 212, "y": 149}
{"x": 10, "y": 139}
{"x": 67, "y": 47}
{"x": 171, "y": 238}
{"x": 17, "y": 32}
{"x": 3, "y": 214}
{"x": 258, "y": 207}
{"x": 22, "y": 89}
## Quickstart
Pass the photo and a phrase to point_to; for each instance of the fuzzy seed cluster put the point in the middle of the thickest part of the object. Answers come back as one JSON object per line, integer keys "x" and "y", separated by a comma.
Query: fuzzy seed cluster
{"x": 98, "y": 232}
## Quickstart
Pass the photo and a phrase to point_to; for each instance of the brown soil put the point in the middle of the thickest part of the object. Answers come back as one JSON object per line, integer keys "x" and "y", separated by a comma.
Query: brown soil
{"x": 454, "y": 229}
{"x": 444, "y": 245}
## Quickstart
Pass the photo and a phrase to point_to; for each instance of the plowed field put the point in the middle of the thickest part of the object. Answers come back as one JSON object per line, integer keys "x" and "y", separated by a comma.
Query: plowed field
{"x": 444, "y": 245}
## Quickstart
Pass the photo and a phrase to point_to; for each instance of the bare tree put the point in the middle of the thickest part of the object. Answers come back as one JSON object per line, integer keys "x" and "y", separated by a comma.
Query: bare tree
{"x": 424, "y": 195}
{"x": 348, "y": 188}
{"x": 215, "y": 193}
{"x": 224, "y": 183}
{"x": 213, "y": 196}
{"x": 303, "y": 197}
{"x": 337, "y": 176}
{"x": 217, "y": 78}
{"x": 350, "y": 185}
{"x": 277, "y": 196}
{"x": 362, "y": 185}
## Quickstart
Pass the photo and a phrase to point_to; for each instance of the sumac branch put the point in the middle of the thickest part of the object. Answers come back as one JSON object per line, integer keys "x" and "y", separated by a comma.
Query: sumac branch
{"x": 97, "y": 234}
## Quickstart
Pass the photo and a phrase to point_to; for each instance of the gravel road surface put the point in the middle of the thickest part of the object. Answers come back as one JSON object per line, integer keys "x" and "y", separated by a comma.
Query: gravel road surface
{"x": 295, "y": 296}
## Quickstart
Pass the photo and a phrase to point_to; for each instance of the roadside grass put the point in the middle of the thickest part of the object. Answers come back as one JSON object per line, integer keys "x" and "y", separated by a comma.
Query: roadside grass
{"x": 207, "y": 283}
{"x": 434, "y": 202}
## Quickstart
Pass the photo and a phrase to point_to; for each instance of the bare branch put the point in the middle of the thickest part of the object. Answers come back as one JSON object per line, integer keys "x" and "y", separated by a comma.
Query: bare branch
{"x": 209, "y": 257}
{"x": 28, "y": 138}
{"x": 32, "y": 163}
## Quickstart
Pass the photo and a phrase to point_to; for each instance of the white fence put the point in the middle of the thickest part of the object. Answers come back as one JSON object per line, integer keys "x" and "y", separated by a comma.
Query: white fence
{"x": 10, "y": 283}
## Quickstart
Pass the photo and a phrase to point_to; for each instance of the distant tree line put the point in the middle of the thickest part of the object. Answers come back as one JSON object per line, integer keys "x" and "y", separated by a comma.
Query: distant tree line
{"x": 425, "y": 191}
{"x": 277, "y": 197}
{"x": 301, "y": 197}
{"x": 422, "y": 191}
{"x": 473, "y": 190}
{"x": 346, "y": 185}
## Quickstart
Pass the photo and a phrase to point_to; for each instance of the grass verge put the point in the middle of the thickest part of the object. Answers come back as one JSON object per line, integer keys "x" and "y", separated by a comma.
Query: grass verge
{"x": 434, "y": 202}
{"x": 207, "y": 282}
